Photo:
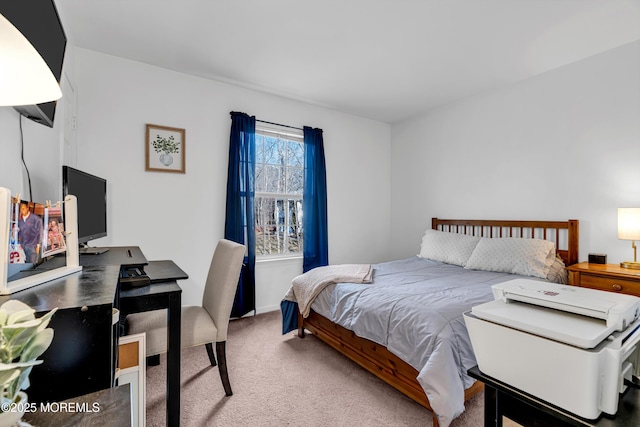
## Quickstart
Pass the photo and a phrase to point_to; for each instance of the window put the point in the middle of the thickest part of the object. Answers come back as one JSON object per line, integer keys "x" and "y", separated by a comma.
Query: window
{"x": 278, "y": 192}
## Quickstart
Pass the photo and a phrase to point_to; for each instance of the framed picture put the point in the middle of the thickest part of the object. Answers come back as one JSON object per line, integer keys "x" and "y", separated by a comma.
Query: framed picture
{"x": 165, "y": 149}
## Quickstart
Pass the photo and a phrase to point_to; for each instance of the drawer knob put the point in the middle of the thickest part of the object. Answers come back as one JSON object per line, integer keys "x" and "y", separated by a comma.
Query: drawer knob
{"x": 616, "y": 287}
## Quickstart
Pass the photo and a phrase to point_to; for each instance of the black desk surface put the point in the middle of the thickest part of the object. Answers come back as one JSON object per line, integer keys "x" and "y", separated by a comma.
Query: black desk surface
{"x": 125, "y": 256}
{"x": 163, "y": 271}
{"x": 536, "y": 412}
{"x": 92, "y": 286}
{"x": 163, "y": 275}
{"x": 96, "y": 283}
{"x": 132, "y": 256}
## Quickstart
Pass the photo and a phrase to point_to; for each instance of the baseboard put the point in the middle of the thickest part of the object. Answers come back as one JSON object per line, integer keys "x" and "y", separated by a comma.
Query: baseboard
{"x": 267, "y": 309}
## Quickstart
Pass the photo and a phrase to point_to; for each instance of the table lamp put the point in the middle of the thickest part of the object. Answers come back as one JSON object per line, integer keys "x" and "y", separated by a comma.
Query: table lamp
{"x": 629, "y": 229}
{"x": 25, "y": 78}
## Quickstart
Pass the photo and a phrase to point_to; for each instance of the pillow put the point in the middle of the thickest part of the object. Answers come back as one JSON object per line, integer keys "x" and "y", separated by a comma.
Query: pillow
{"x": 558, "y": 273}
{"x": 452, "y": 248}
{"x": 526, "y": 257}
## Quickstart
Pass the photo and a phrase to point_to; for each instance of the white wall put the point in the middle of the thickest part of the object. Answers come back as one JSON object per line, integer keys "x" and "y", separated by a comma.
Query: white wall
{"x": 42, "y": 145}
{"x": 564, "y": 144}
{"x": 181, "y": 217}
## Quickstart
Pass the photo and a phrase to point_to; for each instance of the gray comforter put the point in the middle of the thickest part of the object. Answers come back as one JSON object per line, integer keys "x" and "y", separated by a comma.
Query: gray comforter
{"x": 414, "y": 307}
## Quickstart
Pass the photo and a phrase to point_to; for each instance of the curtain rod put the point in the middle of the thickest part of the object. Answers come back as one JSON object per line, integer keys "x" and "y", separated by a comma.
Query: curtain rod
{"x": 278, "y": 124}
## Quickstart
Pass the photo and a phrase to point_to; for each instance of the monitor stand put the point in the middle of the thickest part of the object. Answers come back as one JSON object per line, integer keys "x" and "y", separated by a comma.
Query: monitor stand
{"x": 91, "y": 251}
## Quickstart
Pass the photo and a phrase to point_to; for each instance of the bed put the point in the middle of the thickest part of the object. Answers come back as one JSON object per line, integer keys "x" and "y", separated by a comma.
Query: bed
{"x": 339, "y": 315}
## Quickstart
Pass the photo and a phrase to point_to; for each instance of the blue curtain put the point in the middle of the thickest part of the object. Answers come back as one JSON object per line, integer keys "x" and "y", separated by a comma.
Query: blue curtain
{"x": 314, "y": 202}
{"x": 240, "y": 217}
{"x": 314, "y": 220}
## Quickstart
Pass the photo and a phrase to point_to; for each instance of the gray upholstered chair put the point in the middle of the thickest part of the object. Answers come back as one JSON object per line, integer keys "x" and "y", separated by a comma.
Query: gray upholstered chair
{"x": 201, "y": 325}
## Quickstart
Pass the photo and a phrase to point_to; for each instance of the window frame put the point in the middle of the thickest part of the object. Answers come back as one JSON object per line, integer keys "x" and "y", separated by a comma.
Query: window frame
{"x": 287, "y": 134}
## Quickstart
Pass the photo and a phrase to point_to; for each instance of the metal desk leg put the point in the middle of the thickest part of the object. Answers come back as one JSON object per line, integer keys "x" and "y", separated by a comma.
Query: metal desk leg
{"x": 173, "y": 360}
{"x": 492, "y": 416}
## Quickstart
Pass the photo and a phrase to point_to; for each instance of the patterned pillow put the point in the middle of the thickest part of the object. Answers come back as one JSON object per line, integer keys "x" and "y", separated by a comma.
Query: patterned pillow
{"x": 526, "y": 257}
{"x": 558, "y": 273}
{"x": 452, "y": 248}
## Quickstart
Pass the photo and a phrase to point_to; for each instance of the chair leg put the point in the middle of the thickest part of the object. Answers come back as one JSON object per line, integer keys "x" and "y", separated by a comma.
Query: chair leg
{"x": 153, "y": 360}
{"x": 212, "y": 358}
{"x": 222, "y": 366}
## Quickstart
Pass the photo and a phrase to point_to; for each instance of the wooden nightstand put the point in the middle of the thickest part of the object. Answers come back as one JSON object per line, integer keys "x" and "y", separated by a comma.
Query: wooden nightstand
{"x": 606, "y": 277}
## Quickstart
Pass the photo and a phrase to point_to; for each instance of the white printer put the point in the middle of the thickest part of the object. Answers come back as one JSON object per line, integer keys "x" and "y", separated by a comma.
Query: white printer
{"x": 572, "y": 347}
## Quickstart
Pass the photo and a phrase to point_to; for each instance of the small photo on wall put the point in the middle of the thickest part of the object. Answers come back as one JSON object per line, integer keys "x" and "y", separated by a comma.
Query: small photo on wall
{"x": 165, "y": 149}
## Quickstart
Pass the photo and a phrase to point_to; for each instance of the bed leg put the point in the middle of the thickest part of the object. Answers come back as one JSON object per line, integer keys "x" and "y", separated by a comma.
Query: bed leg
{"x": 300, "y": 326}
{"x": 435, "y": 420}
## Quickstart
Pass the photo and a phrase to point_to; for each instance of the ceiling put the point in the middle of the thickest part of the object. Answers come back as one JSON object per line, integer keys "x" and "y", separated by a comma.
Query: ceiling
{"x": 387, "y": 60}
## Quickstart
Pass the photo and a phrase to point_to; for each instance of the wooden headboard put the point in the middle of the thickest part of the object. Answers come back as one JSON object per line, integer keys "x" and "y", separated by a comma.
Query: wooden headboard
{"x": 564, "y": 234}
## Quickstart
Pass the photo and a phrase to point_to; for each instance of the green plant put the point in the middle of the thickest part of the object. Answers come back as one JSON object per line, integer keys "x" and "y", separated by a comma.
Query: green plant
{"x": 23, "y": 338}
{"x": 166, "y": 145}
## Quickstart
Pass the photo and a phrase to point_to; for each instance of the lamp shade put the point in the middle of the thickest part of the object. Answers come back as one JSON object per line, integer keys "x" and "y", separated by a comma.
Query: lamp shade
{"x": 629, "y": 223}
{"x": 25, "y": 78}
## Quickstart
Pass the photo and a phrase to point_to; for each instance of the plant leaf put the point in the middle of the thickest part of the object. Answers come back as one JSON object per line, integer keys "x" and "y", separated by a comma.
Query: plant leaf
{"x": 19, "y": 365}
{"x": 46, "y": 319}
{"x": 20, "y": 316}
{"x": 22, "y": 383}
{"x": 22, "y": 325}
{"x": 18, "y": 335}
{"x": 6, "y": 376}
{"x": 13, "y": 306}
{"x": 23, "y": 337}
{"x": 37, "y": 345}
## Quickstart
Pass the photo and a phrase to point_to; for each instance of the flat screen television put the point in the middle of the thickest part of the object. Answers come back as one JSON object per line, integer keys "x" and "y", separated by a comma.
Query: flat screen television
{"x": 91, "y": 193}
{"x": 39, "y": 22}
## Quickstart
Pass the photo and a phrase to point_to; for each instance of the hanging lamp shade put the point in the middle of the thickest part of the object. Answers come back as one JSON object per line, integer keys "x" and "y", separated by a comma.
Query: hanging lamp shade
{"x": 25, "y": 78}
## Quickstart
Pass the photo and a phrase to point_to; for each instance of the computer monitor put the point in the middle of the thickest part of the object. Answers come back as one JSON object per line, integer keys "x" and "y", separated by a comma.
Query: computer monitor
{"x": 91, "y": 192}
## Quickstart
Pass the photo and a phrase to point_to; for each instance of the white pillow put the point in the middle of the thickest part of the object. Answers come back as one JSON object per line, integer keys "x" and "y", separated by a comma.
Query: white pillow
{"x": 452, "y": 248}
{"x": 526, "y": 257}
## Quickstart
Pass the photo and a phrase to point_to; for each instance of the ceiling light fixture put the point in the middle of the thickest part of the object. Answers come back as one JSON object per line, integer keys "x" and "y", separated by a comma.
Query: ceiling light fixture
{"x": 25, "y": 78}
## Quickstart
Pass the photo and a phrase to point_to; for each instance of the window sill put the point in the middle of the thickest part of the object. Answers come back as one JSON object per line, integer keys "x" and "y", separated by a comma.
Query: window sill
{"x": 278, "y": 258}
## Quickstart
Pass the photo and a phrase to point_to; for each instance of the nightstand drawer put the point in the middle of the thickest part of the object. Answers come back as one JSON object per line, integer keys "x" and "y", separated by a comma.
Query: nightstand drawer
{"x": 611, "y": 284}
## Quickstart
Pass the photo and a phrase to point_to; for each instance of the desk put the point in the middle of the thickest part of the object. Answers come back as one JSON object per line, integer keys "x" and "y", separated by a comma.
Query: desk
{"x": 501, "y": 399}
{"x": 154, "y": 297}
{"x": 81, "y": 358}
{"x": 164, "y": 292}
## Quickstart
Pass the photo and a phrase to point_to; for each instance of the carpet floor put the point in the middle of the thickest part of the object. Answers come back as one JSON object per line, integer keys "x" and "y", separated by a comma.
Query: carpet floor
{"x": 282, "y": 380}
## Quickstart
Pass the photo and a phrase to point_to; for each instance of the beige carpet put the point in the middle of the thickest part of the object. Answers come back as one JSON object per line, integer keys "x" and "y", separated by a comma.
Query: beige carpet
{"x": 285, "y": 381}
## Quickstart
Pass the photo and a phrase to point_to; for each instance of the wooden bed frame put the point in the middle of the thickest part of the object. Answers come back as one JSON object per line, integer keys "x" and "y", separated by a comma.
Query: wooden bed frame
{"x": 376, "y": 359}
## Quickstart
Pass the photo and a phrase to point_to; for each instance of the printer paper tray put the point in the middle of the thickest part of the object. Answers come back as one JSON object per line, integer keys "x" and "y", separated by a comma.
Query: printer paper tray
{"x": 569, "y": 328}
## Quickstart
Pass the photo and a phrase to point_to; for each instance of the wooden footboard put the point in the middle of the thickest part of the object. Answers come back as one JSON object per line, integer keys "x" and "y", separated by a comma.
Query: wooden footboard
{"x": 391, "y": 369}
{"x": 373, "y": 357}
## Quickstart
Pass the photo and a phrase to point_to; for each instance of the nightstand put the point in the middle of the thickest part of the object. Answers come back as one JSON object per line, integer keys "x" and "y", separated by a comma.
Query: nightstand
{"x": 606, "y": 277}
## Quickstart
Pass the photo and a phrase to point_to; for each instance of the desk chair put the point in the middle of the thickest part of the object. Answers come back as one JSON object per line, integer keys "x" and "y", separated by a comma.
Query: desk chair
{"x": 204, "y": 324}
